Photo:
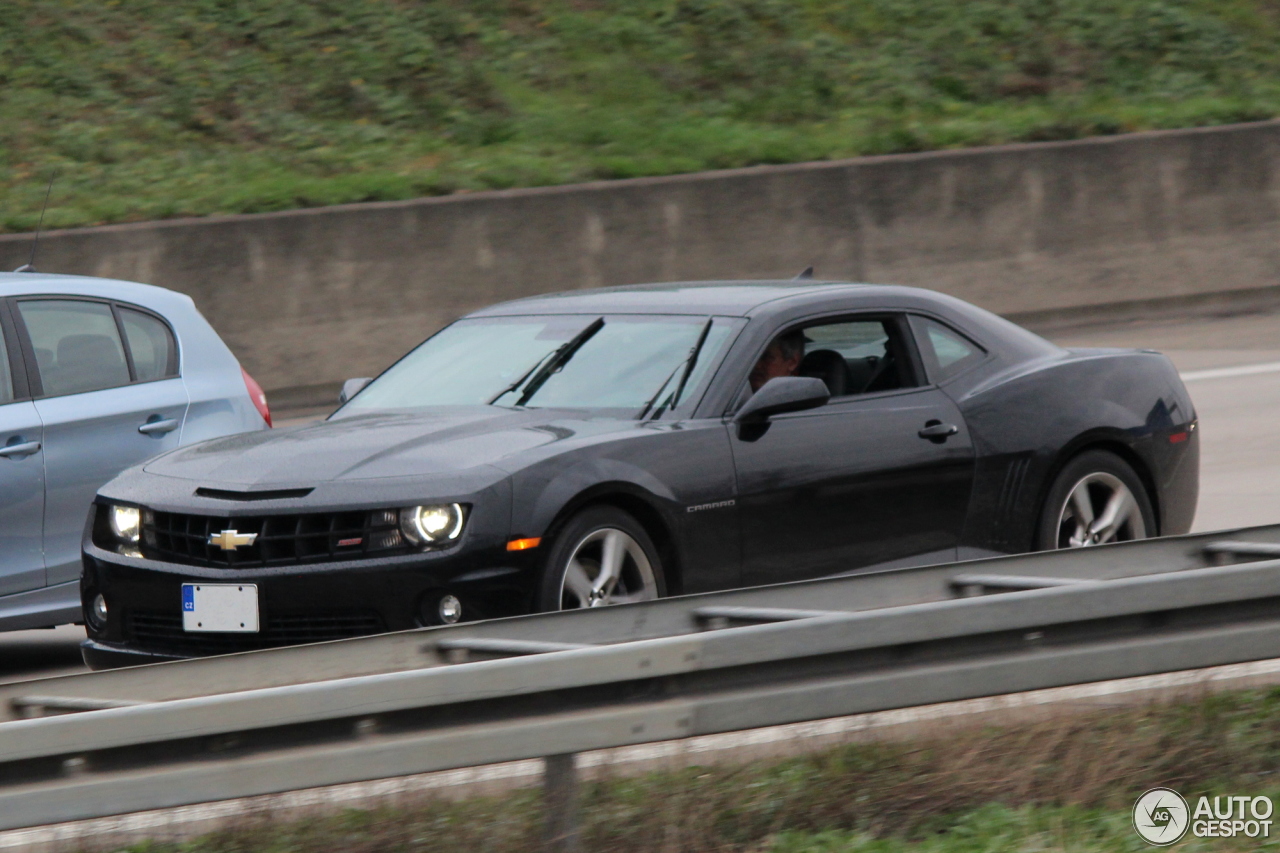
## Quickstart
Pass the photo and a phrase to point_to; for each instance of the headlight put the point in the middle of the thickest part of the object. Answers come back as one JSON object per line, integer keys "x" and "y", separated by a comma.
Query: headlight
{"x": 126, "y": 522}
{"x": 424, "y": 525}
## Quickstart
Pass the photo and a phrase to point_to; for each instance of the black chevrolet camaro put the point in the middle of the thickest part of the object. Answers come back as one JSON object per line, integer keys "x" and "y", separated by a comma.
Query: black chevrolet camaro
{"x": 610, "y": 446}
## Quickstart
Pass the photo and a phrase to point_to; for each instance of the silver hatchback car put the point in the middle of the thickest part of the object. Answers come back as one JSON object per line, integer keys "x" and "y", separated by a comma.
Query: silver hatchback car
{"x": 95, "y": 375}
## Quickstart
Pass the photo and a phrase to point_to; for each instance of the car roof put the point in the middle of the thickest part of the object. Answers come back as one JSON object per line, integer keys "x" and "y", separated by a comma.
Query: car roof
{"x": 23, "y": 283}
{"x": 770, "y": 299}
{"x": 731, "y": 298}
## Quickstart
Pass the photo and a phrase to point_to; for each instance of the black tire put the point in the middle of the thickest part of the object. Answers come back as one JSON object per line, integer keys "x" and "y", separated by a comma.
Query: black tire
{"x": 1093, "y": 474}
{"x": 585, "y": 535}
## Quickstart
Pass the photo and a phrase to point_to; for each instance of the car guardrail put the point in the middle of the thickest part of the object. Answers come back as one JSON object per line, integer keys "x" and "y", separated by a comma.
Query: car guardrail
{"x": 496, "y": 693}
{"x": 407, "y": 650}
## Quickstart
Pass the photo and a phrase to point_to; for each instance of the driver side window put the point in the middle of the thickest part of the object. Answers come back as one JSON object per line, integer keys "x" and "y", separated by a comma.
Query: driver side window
{"x": 862, "y": 355}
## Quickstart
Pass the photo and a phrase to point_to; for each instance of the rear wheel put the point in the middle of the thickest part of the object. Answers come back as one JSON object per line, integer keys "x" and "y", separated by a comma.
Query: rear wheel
{"x": 602, "y": 556}
{"x": 1096, "y": 499}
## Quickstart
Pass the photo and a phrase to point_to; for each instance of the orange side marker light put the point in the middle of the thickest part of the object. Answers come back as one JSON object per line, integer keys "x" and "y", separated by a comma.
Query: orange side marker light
{"x": 524, "y": 544}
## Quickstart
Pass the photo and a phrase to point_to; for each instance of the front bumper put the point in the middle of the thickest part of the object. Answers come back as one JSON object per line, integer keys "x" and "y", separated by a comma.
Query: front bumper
{"x": 297, "y": 604}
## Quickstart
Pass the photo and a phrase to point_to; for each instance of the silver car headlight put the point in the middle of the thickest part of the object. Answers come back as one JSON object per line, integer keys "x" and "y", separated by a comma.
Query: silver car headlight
{"x": 126, "y": 522}
{"x": 433, "y": 524}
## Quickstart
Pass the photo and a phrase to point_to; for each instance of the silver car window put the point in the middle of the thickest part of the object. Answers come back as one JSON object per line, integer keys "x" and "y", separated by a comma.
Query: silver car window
{"x": 77, "y": 345}
{"x": 150, "y": 344}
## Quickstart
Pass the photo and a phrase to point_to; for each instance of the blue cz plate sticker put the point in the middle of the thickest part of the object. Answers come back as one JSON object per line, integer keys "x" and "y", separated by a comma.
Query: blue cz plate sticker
{"x": 220, "y": 608}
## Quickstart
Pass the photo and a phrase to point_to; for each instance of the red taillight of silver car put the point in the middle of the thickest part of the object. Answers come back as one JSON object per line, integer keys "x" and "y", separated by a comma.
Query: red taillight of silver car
{"x": 257, "y": 395}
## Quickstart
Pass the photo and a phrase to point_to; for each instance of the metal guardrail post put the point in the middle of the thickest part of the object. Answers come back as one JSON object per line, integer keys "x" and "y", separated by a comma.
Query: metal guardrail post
{"x": 560, "y": 799}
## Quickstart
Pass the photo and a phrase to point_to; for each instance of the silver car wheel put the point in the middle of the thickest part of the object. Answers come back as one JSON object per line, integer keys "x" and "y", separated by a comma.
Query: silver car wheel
{"x": 607, "y": 566}
{"x": 1099, "y": 509}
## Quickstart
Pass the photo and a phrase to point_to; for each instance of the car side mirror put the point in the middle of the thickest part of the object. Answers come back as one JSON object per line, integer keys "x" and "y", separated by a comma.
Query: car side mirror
{"x": 352, "y": 387}
{"x": 783, "y": 394}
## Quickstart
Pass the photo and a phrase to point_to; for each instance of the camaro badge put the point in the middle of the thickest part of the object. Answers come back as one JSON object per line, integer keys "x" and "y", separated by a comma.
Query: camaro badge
{"x": 716, "y": 505}
{"x": 229, "y": 540}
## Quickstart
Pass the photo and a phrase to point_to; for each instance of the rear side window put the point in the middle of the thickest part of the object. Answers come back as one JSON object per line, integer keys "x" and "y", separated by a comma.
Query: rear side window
{"x": 150, "y": 344}
{"x": 77, "y": 345}
{"x": 945, "y": 351}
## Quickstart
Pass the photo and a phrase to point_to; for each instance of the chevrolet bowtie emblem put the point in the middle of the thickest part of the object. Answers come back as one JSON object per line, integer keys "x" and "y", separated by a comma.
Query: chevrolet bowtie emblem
{"x": 229, "y": 540}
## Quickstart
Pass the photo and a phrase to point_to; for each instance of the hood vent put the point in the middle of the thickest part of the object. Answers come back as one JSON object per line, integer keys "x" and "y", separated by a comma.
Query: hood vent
{"x": 271, "y": 495}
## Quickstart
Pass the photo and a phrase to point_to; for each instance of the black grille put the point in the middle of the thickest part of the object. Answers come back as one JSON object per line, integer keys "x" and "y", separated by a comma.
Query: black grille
{"x": 278, "y": 540}
{"x": 163, "y": 632}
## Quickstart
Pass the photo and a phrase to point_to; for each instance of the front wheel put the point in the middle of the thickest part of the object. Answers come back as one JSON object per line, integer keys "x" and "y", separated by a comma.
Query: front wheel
{"x": 602, "y": 556}
{"x": 1096, "y": 499}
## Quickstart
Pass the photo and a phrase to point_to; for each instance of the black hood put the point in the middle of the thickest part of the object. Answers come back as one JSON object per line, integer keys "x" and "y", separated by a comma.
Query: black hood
{"x": 368, "y": 446}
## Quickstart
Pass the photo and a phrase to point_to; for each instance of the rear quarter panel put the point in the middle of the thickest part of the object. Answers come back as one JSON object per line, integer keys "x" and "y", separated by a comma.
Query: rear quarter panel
{"x": 220, "y": 403}
{"x": 1030, "y": 420}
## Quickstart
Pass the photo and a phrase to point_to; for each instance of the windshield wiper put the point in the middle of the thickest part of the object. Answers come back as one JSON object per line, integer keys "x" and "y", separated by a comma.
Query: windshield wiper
{"x": 690, "y": 361}
{"x": 514, "y": 385}
{"x": 558, "y": 360}
{"x": 690, "y": 365}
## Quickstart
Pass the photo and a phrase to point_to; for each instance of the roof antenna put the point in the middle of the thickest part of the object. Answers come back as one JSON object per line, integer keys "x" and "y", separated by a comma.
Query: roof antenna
{"x": 29, "y": 266}
{"x": 806, "y": 275}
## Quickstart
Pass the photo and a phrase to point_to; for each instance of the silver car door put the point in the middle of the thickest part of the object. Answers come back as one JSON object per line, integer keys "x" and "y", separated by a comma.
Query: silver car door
{"x": 21, "y": 475}
{"x": 109, "y": 397}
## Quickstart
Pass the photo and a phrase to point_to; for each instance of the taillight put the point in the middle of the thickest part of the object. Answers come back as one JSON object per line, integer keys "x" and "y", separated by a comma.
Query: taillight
{"x": 257, "y": 395}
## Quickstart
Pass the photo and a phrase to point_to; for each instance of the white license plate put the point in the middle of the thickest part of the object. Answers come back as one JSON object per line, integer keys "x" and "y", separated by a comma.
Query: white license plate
{"x": 220, "y": 607}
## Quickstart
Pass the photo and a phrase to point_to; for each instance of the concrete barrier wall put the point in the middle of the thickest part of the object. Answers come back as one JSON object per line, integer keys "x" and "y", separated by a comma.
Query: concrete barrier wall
{"x": 310, "y": 297}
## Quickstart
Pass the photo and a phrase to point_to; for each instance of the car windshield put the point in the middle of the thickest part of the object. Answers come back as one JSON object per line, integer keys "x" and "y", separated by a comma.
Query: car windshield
{"x": 631, "y": 362}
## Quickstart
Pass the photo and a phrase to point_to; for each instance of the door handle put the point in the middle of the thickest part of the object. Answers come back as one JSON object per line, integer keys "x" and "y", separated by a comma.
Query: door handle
{"x": 937, "y": 431}
{"x": 158, "y": 427}
{"x": 22, "y": 448}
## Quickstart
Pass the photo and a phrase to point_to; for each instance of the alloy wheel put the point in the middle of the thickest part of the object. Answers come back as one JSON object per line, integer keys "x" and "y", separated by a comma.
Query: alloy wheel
{"x": 1099, "y": 509}
{"x": 607, "y": 566}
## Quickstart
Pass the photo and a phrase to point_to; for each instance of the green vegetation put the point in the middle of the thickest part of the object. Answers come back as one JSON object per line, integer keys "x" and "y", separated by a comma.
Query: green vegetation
{"x": 1061, "y": 784}
{"x": 156, "y": 108}
{"x": 997, "y": 829}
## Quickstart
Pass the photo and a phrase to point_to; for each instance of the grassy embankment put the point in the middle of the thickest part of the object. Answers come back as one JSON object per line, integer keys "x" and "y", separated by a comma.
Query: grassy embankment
{"x": 1060, "y": 785}
{"x": 154, "y": 108}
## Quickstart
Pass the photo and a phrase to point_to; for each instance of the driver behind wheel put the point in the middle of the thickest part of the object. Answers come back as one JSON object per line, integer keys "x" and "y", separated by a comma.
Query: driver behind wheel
{"x": 782, "y": 358}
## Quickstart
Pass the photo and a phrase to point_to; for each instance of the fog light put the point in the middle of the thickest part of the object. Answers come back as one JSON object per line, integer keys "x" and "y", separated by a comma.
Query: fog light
{"x": 126, "y": 522}
{"x": 450, "y": 609}
{"x": 97, "y": 613}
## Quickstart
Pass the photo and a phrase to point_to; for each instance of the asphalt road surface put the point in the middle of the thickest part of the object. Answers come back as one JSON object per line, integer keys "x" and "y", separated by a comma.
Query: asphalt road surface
{"x": 1231, "y": 365}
